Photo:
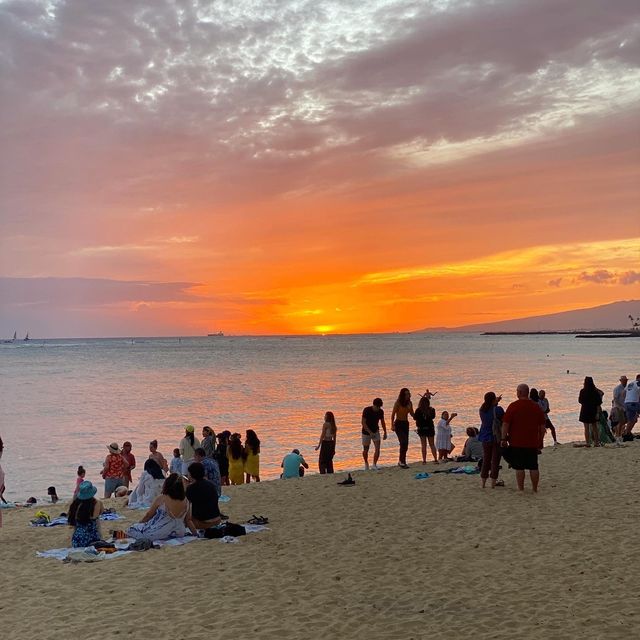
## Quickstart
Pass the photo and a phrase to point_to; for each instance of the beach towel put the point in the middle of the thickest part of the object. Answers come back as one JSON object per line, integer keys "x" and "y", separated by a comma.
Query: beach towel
{"x": 63, "y": 520}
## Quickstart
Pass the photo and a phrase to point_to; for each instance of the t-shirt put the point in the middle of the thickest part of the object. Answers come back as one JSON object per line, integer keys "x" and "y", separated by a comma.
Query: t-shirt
{"x": 372, "y": 418}
{"x": 291, "y": 465}
{"x": 633, "y": 392}
{"x": 473, "y": 447}
{"x": 204, "y": 500}
{"x": 525, "y": 418}
{"x": 618, "y": 395}
{"x": 175, "y": 466}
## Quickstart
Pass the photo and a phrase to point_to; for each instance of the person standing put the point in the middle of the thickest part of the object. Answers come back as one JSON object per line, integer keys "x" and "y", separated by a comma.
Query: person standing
{"x": 617, "y": 408}
{"x": 590, "y": 399}
{"x": 251, "y": 456}
{"x": 235, "y": 454}
{"x": 491, "y": 416}
{"x": 523, "y": 427}
{"x": 130, "y": 460}
{"x": 425, "y": 427}
{"x": 208, "y": 442}
{"x": 187, "y": 447}
{"x": 113, "y": 469}
{"x": 221, "y": 456}
{"x": 372, "y": 419}
{"x": 544, "y": 405}
{"x": 327, "y": 444}
{"x": 632, "y": 404}
{"x": 402, "y": 409}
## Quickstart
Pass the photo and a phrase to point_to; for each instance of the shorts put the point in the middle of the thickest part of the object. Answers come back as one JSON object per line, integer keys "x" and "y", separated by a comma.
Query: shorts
{"x": 111, "y": 484}
{"x": 521, "y": 458}
{"x": 426, "y": 432}
{"x": 631, "y": 410}
{"x": 366, "y": 438}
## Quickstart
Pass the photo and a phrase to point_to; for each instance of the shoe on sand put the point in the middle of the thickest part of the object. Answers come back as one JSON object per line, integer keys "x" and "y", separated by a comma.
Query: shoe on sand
{"x": 349, "y": 481}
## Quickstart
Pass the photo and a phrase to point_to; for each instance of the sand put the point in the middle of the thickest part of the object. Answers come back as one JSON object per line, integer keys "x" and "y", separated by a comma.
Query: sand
{"x": 391, "y": 557}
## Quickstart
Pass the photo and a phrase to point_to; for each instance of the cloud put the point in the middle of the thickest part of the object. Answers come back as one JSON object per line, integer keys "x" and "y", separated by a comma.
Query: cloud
{"x": 555, "y": 282}
{"x": 629, "y": 277}
{"x": 600, "y": 276}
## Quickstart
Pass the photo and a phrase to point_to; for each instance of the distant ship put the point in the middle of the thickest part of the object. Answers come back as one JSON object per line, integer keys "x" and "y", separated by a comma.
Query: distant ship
{"x": 15, "y": 337}
{"x": 215, "y": 335}
{"x": 27, "y": 338}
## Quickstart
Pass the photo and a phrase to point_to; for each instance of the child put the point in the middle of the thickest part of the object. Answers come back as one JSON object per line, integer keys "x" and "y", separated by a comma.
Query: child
{"x": 176, "y": 463}
{"x": 79, "y": 480}
{"x": 53, "y": 494}
{"x": 443, "y": 436}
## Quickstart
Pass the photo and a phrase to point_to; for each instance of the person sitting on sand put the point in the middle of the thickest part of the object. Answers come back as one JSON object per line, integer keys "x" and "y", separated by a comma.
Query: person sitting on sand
{"x": 113, "y": 469}
{"x": 211, "y": 469}
{"x": 149, "y": 486}
{"x": 176, "y": 463}
{"x": 168, "y": 516}
{"x": 472, "y": 449}
{"x": 154, "y": 454}
{"x": 84, "y": 514}
{"x": 444, "y": 445}
{"x": 293, "y": 465}
{"x": 203, "y": 497}
{"x": 523, "y": 428}
{"x": 236, "y": 457}
{"x": 53, "y": 494}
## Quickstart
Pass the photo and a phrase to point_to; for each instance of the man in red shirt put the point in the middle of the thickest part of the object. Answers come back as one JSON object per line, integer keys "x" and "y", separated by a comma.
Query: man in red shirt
{"x": 523, "y": 428}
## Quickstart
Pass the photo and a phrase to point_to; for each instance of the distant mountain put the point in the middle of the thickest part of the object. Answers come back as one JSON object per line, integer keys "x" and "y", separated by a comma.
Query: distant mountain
{"x": 607, "y": 316}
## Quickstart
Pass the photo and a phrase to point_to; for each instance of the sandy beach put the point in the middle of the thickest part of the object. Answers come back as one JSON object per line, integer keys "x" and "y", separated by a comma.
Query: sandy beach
{"x": 391, "y": 557}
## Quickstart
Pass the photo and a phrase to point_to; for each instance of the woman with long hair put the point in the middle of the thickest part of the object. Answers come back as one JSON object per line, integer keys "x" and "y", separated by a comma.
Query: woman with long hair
{"x": 426, "y": 428}
{"x": 168, "y": 515}
{"x": 490, "y": 425}
{"x": 154, "y": 454}
{"x": 402, "y": 409}
{"x": 221, "y": 457}
{"x": 208, "y": 442}
{"x": 149, "y": 486}
{"x": 327, "y": 444}
{"x": 187, "y": 447}
{"x": 590, "y": 400}
{"x": 251, "y": 456}
{"x": 84, "y": 514}
{"x": 235, "y": 455}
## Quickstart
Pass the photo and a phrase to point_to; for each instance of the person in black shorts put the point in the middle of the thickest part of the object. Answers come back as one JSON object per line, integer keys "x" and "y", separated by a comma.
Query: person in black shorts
{"x": 425, "y": 427}
{"x": 372, "y": 419}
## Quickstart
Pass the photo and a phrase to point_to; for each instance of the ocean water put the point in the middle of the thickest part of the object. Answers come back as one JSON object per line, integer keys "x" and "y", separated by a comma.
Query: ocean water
{"x": 63, "y": 401}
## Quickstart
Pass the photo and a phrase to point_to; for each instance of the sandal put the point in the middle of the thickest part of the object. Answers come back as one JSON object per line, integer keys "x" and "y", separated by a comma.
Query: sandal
{"x": 258, "y": 520}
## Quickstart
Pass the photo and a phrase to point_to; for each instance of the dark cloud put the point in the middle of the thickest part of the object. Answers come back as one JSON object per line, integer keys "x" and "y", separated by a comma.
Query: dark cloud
{"x": 599, "y": 276}
{"x": 629, "y": 277}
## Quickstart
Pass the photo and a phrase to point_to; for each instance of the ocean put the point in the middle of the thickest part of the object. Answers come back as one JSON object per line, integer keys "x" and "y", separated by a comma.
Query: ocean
{"x": 64, "y": 401}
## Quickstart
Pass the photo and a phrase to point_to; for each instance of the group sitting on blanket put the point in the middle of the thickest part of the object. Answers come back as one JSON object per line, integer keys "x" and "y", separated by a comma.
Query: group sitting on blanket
{"x": 181, "y": 506}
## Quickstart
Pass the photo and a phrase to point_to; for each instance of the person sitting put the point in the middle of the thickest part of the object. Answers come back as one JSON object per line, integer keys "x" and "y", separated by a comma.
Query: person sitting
{"x": 472, "y": 449}
{"x": 84, "y": 514}
{"x": 293, "y": 465}
{"x": 53, "y": 494}
{"x": 203, "y": 496}
{"x": 149, "y": 486}
{"x": 168, "y": 516}
{"x": 211, "y": 469}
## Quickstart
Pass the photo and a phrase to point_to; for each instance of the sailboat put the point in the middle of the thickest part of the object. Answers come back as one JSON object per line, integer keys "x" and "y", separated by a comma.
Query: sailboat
{"x": 15, "y": 336}
{"x": 27, "y": 338}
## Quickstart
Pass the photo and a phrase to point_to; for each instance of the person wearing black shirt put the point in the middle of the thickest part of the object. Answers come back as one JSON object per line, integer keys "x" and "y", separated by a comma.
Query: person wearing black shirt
{"x": 203, "y": 497}
{"x": 372, "y": 417}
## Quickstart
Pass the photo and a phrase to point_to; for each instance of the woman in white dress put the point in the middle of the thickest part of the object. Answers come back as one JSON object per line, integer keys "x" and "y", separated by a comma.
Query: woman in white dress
{"x": 443, "y": 436}
{"x": 149, "y": 487}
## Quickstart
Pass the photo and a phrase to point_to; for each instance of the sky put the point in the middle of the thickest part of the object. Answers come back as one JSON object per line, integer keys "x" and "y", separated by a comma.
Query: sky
{"x": 174, "y": 167}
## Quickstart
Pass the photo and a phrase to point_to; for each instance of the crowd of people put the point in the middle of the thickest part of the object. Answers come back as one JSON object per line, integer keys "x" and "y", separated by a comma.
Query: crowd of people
{"x": 182, "y": 494}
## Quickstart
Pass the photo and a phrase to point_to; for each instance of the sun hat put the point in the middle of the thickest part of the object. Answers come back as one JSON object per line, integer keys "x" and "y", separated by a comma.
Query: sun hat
{"x": 113, "y": 447}
{"x": 189, "y": 428}
{"x": 86, "y": 490}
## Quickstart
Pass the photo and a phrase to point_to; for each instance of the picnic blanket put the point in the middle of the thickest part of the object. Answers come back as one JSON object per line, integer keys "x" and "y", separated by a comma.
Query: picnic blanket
{"x": 63, "y": 520}
{"x": 89, "y": 554}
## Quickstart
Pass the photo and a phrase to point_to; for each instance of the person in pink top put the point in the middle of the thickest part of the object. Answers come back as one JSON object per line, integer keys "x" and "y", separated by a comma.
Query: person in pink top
{"x": 79, "y": 480}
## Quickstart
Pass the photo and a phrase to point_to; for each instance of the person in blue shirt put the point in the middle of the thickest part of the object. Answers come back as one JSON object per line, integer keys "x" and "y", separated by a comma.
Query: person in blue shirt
{"x": 293, "y": 465}
{"x": 490, "y": 413}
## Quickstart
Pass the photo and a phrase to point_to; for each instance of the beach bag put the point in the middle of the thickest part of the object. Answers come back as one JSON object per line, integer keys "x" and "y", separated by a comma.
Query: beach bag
{"x": 496, "y": 427}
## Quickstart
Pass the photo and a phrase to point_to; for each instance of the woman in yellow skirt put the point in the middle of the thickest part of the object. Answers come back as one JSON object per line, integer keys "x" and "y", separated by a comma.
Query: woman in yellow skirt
{"x": 235, "y": 453}
{"x": 252, "y": 456}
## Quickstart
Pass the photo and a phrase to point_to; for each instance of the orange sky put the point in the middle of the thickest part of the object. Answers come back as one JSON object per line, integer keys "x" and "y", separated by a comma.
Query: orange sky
{"x": 266, "y": 169}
